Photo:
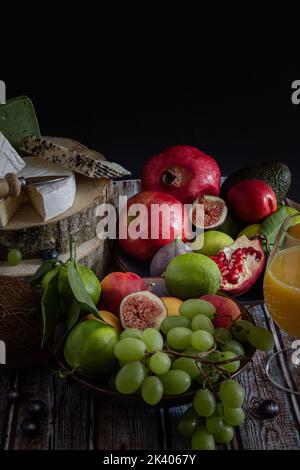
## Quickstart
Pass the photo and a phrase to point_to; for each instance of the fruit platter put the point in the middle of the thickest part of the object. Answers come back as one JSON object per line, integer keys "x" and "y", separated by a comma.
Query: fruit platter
{"x": 163, "y": 324}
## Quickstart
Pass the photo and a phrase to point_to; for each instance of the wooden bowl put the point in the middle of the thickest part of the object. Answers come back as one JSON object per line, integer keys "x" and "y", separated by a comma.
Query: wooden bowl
{"x": 159, "y": 289}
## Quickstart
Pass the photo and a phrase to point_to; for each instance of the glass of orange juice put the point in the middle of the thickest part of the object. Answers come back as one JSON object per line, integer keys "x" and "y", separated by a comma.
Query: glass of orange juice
{"x": 282, "y": 297}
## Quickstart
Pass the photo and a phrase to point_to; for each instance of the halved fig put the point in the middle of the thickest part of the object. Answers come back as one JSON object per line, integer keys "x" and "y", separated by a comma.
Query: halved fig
{"x": 214, "y": 214}
{"x": 241, "y": 264}
{"x": 142, "y": 310}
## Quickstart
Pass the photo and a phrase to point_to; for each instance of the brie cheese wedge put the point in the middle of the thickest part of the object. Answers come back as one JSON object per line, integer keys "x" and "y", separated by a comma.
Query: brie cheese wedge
{"x": 51, "y": 199}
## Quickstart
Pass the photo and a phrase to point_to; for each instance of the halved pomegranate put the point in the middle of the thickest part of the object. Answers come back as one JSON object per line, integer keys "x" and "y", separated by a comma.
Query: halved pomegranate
{"x": 241, "y": 264}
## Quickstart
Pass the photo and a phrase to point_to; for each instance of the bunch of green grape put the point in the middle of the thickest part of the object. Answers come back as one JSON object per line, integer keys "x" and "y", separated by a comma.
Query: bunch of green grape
{"x": 189, "y": 351}
{"x": 213, "y": 416}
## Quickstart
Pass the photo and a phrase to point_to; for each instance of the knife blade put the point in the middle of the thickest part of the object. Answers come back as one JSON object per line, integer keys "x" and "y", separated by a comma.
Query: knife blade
{"x": 11, "y": 185}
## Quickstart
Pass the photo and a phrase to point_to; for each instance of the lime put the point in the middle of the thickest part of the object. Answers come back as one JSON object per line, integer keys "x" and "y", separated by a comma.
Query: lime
{"x": 211, "y": 242}
{"x": 192, "y": 275}
{"x": 250, "y": 231}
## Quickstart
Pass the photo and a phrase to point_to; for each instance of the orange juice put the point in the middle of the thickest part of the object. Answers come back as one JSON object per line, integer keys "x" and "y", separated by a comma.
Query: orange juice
{"x": 282, "y": 289}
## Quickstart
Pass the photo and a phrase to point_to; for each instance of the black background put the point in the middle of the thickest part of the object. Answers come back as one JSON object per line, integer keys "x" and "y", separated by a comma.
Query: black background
{"x": 226, "y": 90}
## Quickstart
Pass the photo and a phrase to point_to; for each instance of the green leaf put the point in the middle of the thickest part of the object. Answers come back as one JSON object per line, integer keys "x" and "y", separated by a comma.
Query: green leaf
{"x": 73, "y": 314}
{"x": 45, "y": 267}
{"x": 50, "y": 308}
{"x": 271, "y": 225}
{"x": 79, "y": 291}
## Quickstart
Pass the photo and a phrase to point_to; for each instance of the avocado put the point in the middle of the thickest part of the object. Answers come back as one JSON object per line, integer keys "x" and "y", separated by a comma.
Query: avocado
{"x": 277, "y": 175}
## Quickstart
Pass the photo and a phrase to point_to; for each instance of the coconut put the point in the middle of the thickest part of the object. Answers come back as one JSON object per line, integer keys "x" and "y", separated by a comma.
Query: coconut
{"x": 20, "y": 323}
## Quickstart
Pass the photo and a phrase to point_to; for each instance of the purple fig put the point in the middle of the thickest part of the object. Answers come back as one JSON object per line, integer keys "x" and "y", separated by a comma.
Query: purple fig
{"x": 165, "y": 254}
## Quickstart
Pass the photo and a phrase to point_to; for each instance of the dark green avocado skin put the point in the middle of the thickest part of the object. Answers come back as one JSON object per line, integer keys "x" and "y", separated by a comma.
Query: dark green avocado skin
{"x": 277, "y": 175}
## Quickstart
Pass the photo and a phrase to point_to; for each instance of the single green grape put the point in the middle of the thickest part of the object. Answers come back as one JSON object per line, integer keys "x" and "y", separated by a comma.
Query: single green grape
{"x": 173, "y": 322}
{"x": 152, "y": 390}
{"x": 214, "y": 424}
{"x": 201, "y": 322}
{"x": 231, "y": 366}
{"x": 192, "y": 307}
{"x": 234, "y": 346}
{"x": 202, "y": 340}
{"x": 188, "y": 423}
{"x": 179, "y": 338}
{"x": 202, "y": 439}
{"x": 130, "y": 349}
{"x": 14, "y": 257}
{"x": 188, "y": 365}
{"x": 261, "y": 338}
{"x": 153, "y": 339}
{"x": 225, "y": 435}
{"x": 204, "y": 403}
{"x": 234, "y": 416}
{"x": 159, "y": 363}
{"x": 175, "y": 382}
{"x": 131, "y": 333}
{"x": 130, "y": 377}
{"x": 232, "y": 394}
{"x": 241, "y": 329}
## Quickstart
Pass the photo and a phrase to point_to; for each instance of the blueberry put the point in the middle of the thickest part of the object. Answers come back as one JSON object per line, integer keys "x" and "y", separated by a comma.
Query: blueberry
{"x": 12, "y": 395}
{"x": 36, "y": 408}
{"x": 30, "y": 427}
{"x": 268, "y": 409}
{"x": 48, "y": 254}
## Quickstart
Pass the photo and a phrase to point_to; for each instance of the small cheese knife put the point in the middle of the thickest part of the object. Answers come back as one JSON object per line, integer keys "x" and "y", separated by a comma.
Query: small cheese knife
{"x": 12, "y": 185}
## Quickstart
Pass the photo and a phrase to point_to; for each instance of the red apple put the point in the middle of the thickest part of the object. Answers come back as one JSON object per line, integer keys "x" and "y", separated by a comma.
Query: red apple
{"x": 115, "y": 286}
{"x": 252, "y": 200}
{"x": 227, "y": 311}
{"x": 182, "y": 171}
{"x": 154, "y": 232}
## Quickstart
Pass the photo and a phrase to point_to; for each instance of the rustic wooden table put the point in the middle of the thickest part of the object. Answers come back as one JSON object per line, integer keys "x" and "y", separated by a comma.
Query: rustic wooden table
{"x": 76, "y": 419}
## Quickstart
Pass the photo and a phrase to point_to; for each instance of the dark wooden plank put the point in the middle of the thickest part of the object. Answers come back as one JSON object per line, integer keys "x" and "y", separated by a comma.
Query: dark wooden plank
{"x": 7, "y": 381}
{"x": 34, "y": 384}
{"x": 120, "y": 427}
{"x": 71, "y": 416}
{"x": 279, "y": 433}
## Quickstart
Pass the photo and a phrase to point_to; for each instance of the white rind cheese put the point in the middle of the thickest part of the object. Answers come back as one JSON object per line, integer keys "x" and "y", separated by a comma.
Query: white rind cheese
{"x": 52, "y": 199}
{"x": 9, "y": 206}
{"x": 49, "y": 200}
{"x": 10, "y": 160}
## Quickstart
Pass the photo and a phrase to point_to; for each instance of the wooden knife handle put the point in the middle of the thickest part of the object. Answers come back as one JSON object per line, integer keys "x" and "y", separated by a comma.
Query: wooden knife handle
{"x": 10, "y": 185}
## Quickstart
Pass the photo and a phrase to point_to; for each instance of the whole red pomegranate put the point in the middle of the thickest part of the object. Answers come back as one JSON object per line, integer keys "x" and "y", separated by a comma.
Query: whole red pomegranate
{"x": 115, "y": 286}
{"x": 252, "y": 200}
{"x": 241, "y": 264}
{"x": 182, "y": 171}
{"x": 153, "y": 232}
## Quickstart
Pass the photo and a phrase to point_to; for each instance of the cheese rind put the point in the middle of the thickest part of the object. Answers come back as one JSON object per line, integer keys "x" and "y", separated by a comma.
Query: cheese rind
{"x": 10, "y": 160}
{"x": 52, "y": 199}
